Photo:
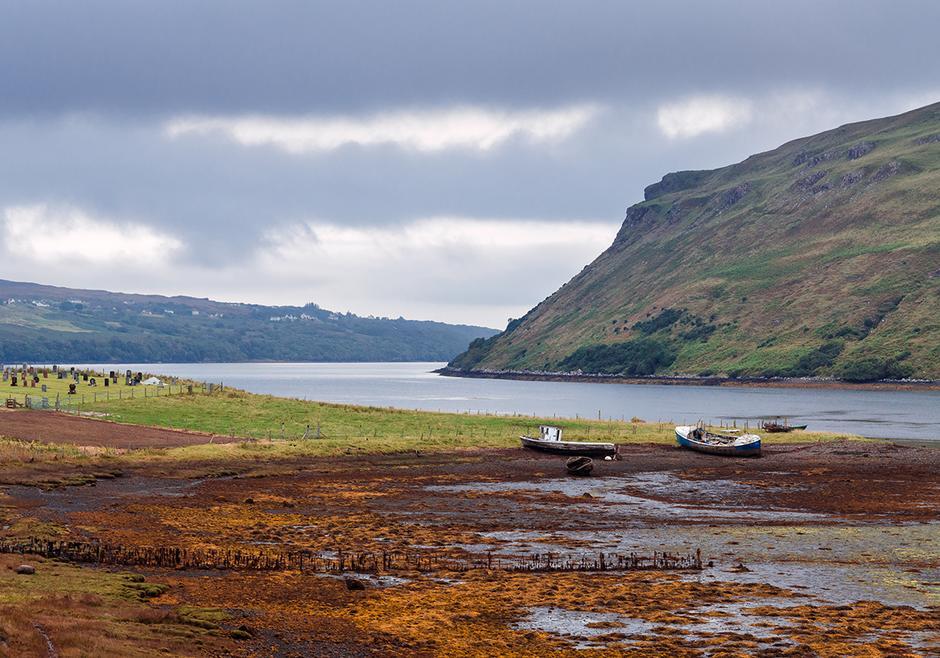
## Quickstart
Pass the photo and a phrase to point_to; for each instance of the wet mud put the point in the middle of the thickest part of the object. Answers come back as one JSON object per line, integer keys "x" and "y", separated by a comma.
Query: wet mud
{"x": 821, "y": 549}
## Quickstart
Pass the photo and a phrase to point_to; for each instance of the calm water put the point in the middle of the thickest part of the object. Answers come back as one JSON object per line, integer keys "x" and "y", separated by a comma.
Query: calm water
{"x": 882, "y": 414}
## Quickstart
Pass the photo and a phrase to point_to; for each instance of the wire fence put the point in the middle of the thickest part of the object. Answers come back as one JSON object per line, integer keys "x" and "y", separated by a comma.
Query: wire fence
{"x": 75, "y": 402}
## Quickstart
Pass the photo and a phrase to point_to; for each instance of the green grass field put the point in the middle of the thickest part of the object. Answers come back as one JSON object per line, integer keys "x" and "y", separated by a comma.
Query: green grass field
{"x": 373, "y": 429}
{"x": 269, "y": 430}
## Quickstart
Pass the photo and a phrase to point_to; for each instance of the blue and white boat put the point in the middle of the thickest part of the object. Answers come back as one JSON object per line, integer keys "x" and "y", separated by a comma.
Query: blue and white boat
{"x": 697, "y": 438}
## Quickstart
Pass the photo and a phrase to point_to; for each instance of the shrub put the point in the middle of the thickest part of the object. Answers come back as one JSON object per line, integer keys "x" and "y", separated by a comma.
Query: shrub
{"x": 821, "y": 357}
{"x": 870, "y": 369}
{"x": 478, "y": 349}
{"x": 699, "y": 332}
{"x": 666, "y": 318}
{"x": 635, "y": 358}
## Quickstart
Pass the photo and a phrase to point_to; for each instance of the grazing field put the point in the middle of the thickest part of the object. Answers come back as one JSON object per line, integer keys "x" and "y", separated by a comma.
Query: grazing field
{"x": 236, "y": 413}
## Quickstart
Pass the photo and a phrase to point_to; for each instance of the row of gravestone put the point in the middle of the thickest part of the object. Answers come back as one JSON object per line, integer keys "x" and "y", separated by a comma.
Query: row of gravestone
{"x": 29, "y": 376}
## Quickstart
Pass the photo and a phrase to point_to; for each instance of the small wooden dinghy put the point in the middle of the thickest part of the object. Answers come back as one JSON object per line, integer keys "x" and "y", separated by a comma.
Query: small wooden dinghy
{"x": 550, "y": 441}
{"x": 697, "y": 438}
{"x": 774, "y": 426}
{"x": 581, "y": 466}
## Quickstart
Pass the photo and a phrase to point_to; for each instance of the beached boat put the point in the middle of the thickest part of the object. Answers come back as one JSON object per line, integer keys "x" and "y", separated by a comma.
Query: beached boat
{"x": 549, "y": 440}
{"x": 696, "y": 438}
{"x": 774, "y": 426}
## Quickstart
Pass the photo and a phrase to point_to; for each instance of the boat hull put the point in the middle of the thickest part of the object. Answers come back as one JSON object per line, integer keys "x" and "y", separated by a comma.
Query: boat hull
{"x": 750, "y": 449}
{"x": 570, "y": 448}
{"x": 774, "y": 428}
{"x": 777, "y": 428}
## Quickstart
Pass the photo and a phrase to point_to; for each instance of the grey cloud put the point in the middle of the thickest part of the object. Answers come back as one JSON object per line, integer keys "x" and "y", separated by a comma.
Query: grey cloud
{"x": 299, "y": 56}
{"x": 86, "y": 89}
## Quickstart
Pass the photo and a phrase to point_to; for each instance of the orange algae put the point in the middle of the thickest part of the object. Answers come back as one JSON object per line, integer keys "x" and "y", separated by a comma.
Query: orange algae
{"x": 325, "y": 506}
{"x": 478, "y": 615}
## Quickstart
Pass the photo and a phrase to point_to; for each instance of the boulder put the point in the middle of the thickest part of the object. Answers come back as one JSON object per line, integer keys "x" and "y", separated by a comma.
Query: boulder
{"x": 354, "y": 585}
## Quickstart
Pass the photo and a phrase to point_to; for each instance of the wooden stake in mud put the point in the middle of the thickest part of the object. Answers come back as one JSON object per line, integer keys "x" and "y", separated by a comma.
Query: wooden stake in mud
{"x": 365, "y": 562}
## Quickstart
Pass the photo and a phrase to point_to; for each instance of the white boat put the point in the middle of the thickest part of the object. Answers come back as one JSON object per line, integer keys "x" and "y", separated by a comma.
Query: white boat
{"x": 549, "y": 440}
{"x": 697, "y": 438}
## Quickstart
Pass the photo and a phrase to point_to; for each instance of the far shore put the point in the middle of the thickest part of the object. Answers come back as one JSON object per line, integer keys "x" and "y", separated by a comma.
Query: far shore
{"x": 739, "y": 382}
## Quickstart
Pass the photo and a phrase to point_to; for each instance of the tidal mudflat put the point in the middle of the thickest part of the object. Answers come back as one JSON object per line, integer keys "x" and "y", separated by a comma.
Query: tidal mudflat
{"x": 828, "y": 549}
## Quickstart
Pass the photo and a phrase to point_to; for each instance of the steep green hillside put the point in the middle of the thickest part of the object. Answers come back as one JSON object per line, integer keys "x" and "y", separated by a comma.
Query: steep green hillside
{"x": 819, "y": 258}
{"x": 44, "y": 324}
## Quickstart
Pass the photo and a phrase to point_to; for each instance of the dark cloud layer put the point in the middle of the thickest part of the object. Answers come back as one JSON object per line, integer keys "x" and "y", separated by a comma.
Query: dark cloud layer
{"x": 88, "y": 92}
{"x": 298, "y": 56}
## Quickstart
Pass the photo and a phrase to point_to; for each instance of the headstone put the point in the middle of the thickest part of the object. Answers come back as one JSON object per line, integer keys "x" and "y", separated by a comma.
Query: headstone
{"x": 107, "y": 382}
{"x": 71, "y": 389}
{"x": 45, "y": 389}
{"x": 92, "y": 382}
{"x": 84, "y": 376}
{"x": 13, "y": 380}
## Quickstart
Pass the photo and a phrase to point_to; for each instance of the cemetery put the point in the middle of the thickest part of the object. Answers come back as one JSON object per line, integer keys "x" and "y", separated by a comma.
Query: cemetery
{"x": 67, "y": 387}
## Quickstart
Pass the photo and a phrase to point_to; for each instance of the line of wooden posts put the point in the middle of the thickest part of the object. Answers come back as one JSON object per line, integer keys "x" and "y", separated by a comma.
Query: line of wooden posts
{"x": 175, "y": 557}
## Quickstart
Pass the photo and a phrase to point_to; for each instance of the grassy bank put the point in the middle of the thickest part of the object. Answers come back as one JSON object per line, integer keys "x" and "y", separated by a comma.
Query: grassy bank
{"x": 248, "y": 431}
{"x": 375, "y": 429}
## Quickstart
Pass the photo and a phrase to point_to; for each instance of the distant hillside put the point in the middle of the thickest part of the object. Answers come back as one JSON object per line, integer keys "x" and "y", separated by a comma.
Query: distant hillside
{"x": 44, "y": 323}
{"x": 819, "y": 258}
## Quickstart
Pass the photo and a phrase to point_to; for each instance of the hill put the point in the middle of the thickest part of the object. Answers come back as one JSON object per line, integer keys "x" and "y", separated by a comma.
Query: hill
{"x": 45, "y": 323}
{"x": 820, "y": 258}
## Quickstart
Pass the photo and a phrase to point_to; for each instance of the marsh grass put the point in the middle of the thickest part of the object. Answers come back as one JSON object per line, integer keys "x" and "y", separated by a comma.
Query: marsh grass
{"x": 93, "y": 612}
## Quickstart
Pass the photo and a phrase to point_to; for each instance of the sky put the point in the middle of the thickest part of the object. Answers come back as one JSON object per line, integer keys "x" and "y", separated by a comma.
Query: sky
{"x": 454, "y": 161}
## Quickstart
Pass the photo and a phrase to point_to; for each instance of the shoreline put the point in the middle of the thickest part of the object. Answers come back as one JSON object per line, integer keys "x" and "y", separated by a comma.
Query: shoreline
{"x": 740, "y": 382}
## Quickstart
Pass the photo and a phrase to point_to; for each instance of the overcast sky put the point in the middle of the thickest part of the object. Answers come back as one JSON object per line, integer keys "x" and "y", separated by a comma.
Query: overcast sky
{"x": 436, "y": 160}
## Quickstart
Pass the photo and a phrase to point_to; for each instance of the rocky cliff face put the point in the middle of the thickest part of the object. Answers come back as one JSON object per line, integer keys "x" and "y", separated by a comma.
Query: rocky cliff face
{"x": 819, "y": 258}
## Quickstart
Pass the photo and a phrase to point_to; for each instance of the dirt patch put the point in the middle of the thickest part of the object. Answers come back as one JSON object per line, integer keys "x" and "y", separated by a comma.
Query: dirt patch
{"x": 57, "y": 427}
